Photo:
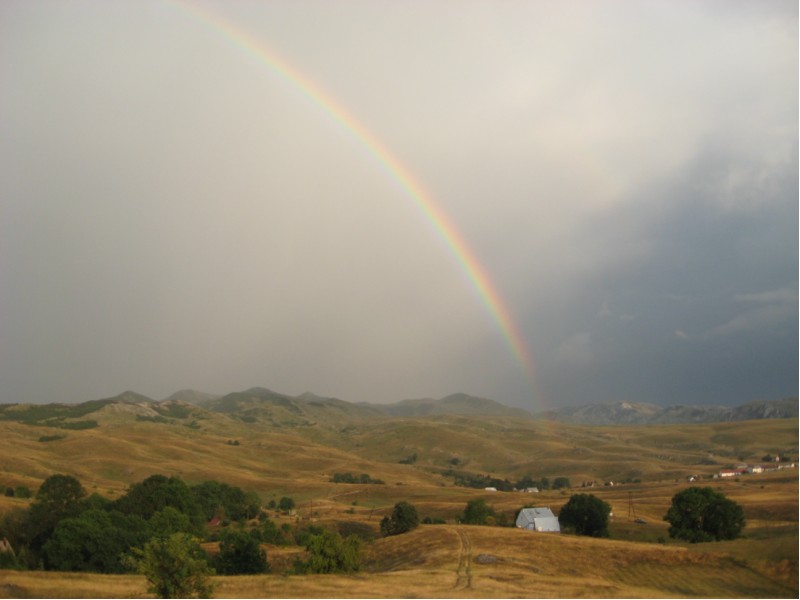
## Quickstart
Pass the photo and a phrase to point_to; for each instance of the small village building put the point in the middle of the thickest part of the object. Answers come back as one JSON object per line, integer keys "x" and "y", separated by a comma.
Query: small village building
{"x": 731, "y": 472}
{"x": 755, "y": 469}
{"x": 490, "y": 489}
{"x": 538, "y": 519}
{"x": 531, "y": 490}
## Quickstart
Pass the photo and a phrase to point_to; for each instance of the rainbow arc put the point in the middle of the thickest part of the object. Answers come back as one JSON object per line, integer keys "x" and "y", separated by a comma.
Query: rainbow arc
{"x": 464, "y": 256}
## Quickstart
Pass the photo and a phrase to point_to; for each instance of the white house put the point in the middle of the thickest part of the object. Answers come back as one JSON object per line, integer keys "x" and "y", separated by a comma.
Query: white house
{"x": 538, "y": 519}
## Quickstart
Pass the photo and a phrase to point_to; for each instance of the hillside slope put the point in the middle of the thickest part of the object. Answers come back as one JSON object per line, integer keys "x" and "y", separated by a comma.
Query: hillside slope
{"x": 631, "y": 413}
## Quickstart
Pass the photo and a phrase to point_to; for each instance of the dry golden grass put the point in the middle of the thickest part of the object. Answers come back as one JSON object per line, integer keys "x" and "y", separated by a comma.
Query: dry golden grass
{"x": 449, "y": 561}
{"x": 442, "y": 561}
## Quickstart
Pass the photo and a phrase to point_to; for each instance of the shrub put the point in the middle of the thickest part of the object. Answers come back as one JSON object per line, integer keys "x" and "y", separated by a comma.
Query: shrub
{"x": 329, "y": 553}
{"x": 286, "y": 503}
{"x": 404, "y": 518}
{"x": 175, "y": 567}
{"x": 240, "y": 554}
{"x": 477, "y": 512}
{"x": 22, "y": 491}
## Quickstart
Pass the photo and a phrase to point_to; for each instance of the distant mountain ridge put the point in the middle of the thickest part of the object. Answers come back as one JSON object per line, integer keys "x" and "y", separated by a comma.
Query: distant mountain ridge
{"x": 454, "y": 404}
{"x": 262, "y": 405}
{"x": 632, "y": 413}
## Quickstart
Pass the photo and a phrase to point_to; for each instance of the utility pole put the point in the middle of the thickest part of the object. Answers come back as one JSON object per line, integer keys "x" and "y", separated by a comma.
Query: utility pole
{"x": 631, "y": 509}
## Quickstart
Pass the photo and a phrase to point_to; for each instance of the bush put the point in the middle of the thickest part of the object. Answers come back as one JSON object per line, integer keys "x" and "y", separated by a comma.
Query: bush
{"x": 329, "y": 553}
{"x": 22, "y": 491}
{"x": 240, "y": 554}
{"x": 269, "y": 533}
{"x": 286, "y": 504}
{"x": 586, "y": 514}
{"x": 404, "y": 518}
{"x": 477, "y": 512}
{"x": 703, "y": 515}
{"x": 175, "y": 567}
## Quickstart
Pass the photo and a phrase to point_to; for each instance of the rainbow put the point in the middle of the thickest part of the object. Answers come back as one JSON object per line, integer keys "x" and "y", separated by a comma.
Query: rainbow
{"x": 448, "y": 232}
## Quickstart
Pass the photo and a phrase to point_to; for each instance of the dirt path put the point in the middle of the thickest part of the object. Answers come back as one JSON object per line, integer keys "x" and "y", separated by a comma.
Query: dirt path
{"x": 464, "y": 569}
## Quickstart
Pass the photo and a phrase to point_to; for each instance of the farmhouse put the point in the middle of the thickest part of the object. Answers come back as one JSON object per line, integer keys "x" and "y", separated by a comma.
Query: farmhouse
{"x": 538, "y": 519}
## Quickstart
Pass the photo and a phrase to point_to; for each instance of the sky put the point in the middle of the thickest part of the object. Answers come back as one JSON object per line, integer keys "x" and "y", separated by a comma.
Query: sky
{"x": 545, "y": 203}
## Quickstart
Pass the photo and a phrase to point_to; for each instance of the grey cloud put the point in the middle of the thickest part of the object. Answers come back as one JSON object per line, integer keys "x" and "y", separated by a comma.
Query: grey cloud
{"x": 177, "y": 214}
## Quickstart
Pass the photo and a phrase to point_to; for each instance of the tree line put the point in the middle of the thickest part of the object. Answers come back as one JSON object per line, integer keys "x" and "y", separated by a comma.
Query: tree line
{"x": 156, "y": 526}
{"x": 478, "y": 481}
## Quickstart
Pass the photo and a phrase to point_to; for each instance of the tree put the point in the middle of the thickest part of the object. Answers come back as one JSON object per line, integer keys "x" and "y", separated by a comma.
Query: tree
{"x": 58, "y": 497}
{"x": 158, "y": 492}
{"x": 586, "y": 514}
{"x": 286, "y": 503}
{"x": 220, "y": 499}
{"x": 269, "y": 533}
{"x": 477, "y": 512}
{"x": 703, "y": 515}
{"x": 95, "y": 541}
{"x": 328, "y": 552}
{"x": 175, "y": 567}
{"x": 404, "y": 518}
{"x": 60, "y": 492}
{"x": 240, "y": 554}
{"x": 169, "y": 520}
{"x": 561, "y": 482}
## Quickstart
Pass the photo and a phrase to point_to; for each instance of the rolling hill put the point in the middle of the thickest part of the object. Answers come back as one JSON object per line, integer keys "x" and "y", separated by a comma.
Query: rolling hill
{"x": 275, "y": 445}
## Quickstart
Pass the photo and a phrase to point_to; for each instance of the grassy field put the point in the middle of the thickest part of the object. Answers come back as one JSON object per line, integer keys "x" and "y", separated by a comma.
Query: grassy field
{"x": 443, "y": 560}
{"x": 448, "y": 561}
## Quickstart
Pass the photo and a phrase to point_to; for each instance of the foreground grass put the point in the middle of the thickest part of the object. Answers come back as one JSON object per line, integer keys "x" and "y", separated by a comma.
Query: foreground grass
{"x": 449, "y": 561}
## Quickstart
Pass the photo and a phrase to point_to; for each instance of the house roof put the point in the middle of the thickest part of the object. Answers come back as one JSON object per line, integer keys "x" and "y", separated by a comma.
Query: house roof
{"x": 537, "y": 518}
{"x": 535, "y": 513}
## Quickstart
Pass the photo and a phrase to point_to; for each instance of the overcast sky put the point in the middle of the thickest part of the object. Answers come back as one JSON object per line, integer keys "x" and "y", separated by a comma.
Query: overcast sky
{"x": 176, "y": 213}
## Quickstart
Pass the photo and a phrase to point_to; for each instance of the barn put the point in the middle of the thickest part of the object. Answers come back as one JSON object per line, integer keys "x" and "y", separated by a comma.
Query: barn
{"x": 538, "y": 519}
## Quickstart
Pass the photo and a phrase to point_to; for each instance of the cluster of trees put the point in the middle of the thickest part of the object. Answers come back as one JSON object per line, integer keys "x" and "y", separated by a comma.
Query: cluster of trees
{"x": 66, "y": 529}
{"x": 154, "y": 529}
{"x": 478, "y": 481}
{"x": 350, "y": 478}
